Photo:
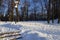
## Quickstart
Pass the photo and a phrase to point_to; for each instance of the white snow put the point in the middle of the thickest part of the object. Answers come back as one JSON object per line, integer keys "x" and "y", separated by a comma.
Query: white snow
{"x": 33, "y": 30}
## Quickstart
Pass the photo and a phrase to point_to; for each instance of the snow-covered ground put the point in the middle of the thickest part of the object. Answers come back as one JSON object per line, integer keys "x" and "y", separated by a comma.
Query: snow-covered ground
{"x": 33, "y": 30}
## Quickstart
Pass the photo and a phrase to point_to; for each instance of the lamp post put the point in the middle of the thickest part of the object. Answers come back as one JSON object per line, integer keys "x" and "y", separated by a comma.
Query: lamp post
{"x": 16, "y": 7}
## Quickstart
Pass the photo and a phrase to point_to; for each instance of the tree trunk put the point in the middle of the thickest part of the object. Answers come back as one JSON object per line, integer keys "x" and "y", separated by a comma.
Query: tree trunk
{"x": 59, "y": 12}
{"x": 17, "y": 14}
{"x": 48, "y": 12}
{"x": 53, "y": 10}
{"x": 11, "y": 11}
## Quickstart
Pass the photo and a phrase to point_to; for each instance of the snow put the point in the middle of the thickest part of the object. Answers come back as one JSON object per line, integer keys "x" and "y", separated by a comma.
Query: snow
{"x": 32, "y": 30}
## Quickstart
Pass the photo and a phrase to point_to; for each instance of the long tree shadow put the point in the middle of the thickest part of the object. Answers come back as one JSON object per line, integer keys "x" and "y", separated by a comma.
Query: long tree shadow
{"x": 9, "y": 25}
{"x": 34, "y": 36}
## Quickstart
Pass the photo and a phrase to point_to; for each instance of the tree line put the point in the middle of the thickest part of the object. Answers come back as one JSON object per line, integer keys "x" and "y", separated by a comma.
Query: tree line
{"x": 47, "y": 10}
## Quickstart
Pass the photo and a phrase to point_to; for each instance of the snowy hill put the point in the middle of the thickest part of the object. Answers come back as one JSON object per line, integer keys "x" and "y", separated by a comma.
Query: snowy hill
{"x": 33, "y": 30}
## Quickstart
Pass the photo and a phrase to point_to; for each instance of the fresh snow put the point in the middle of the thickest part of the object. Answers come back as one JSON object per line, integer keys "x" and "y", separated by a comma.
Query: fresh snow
{"x": 32, "y": 30}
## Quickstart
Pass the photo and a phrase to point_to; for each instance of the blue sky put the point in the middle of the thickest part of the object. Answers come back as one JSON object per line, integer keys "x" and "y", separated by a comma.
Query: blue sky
{"x": 21, "y": 4}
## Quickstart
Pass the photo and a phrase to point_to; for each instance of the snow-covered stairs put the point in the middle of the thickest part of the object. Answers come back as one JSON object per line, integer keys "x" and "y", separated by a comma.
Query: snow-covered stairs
{"x": 10, "y": 35}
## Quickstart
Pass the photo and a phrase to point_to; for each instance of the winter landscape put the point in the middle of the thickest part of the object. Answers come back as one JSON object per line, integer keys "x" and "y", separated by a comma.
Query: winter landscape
{"x": 29, "y": 19}
{"x": 32, "y": 30}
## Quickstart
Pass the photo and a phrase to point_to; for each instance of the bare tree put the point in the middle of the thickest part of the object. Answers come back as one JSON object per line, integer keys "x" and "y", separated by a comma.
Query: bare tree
{"x": 58, "y": 4}
{"x": 1, "y": 9}
{"x": 25, "y": 10}
{"x": 0, "y": 2}
{"x": 53, "y": 10}
{"x": 42, "y": 10}
{"x": 35, "y": 8}
{"x": 48, "y": 11}
{"x": 11, "y": 11}
{"x": 47, "y": 6}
